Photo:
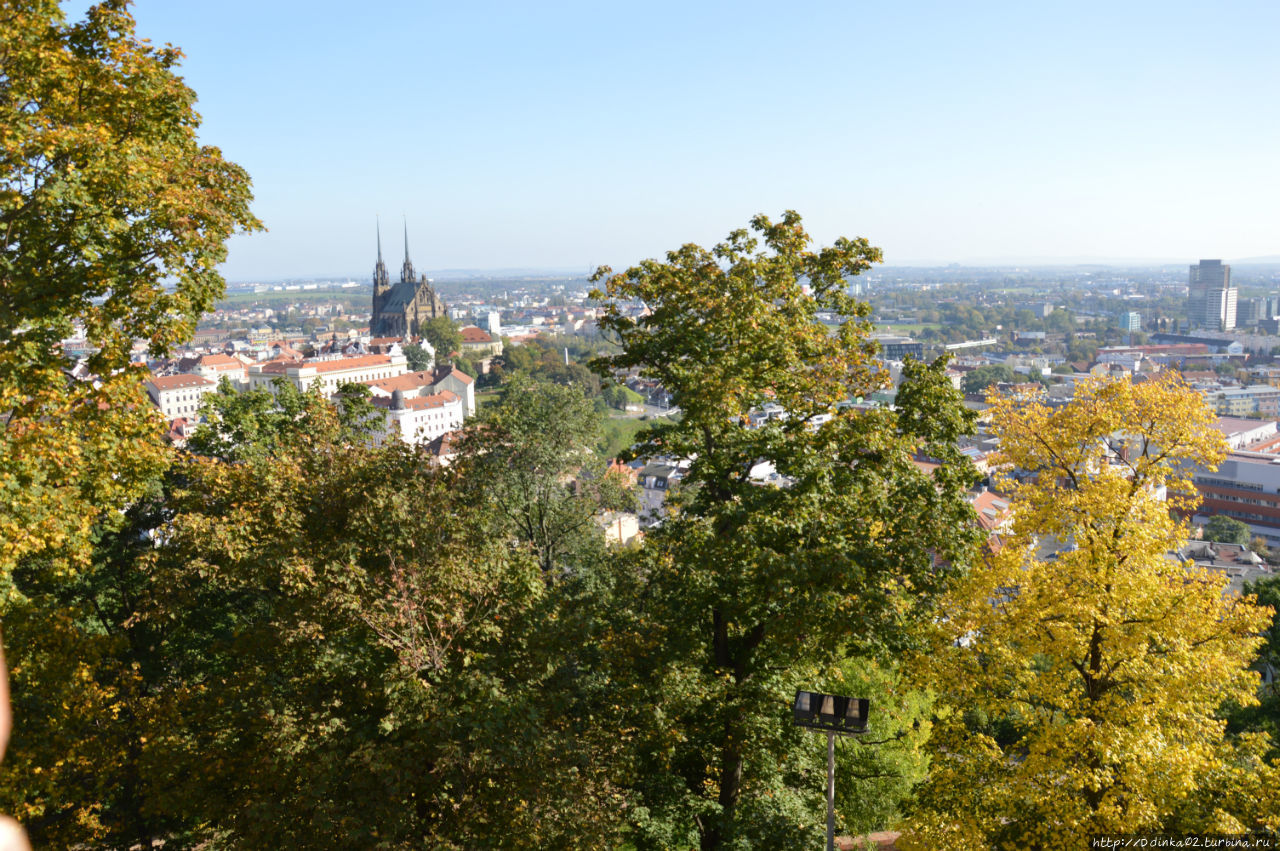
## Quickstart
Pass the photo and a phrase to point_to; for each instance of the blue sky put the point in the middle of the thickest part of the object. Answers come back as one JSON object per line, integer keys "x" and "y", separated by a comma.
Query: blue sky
{"x": 567, "y": 135}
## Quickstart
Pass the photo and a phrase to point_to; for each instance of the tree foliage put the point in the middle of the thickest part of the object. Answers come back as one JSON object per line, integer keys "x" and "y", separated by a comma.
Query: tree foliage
{"x": 113, "y": 218}
{"x": 1227, "y": 530}
{"x": 419, "y": 357}
{"x": 546, "y": 360}
{"x": 533, "y": 455}
{"x": 239, "y": 424}
{"x": 983, "y": 377}
{"x": 748, "y": 591}
{"x": 1265, "y": 716}
{"x": 327, "y": 644}
{"x": 442, "y": 334}
{"x": 620, "y": 396}
{"x": 1099, "y": 669}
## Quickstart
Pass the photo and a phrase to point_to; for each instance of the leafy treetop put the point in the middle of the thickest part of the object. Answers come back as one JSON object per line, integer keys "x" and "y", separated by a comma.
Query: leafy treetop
{"x": 1103, "y": 664}
{"x": 113, "y": 219}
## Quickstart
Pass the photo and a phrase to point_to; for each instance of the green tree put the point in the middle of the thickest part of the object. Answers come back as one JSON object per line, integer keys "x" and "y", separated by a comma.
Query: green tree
{"x": 419, "y": 358}
{"x": 88, "y": 683}
{"x": 748, "y": 591}
{"x": 533, "y": 455}
{"x": 1104, "y": 665}
{"x": 876, "y": 772}
{"x": 467, "y": 366}
{"x": 1265, "y": 717}
{"x": 983, "y": 377}
{"x": 1227, "y": 530}
{"x": 332, "y": 616}
{"x": 442, "y": 334}
{"x": 113, "y": 219}
{"x": 242, "y": 424}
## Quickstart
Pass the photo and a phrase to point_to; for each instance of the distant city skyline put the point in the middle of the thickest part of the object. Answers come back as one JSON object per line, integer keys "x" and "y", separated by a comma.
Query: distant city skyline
{"x": 569, "y": 135}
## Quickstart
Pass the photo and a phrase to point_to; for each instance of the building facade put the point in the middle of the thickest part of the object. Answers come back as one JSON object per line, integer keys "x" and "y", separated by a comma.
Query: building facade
{"x": 329, "y": 373}
{"x": 179, "y": 395}
{"x": 439, "y": 380}
{"x": 893, "y": 347}
{"x": 478, "y": 343}
{"x": 419, "y": 419}
{"x": 1211, "y": 300}
{"x": 1260, "y": 399}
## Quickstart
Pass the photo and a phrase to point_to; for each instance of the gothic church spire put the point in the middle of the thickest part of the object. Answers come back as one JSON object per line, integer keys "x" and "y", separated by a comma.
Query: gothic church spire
{"x": 381, "y": 280}
{"x": 406, "y": 271}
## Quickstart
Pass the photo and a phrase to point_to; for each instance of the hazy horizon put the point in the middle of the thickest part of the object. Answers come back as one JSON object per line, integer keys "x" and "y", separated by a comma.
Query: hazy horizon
{"x": 565, "y": 271}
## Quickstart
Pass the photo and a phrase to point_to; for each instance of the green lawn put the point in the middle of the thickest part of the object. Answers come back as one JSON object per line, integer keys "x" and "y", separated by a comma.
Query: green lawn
{"x": 621, "y": 432}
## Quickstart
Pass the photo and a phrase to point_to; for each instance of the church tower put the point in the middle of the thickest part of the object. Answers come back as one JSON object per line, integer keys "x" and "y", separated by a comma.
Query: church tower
{"x": 381, "y": 280}
{"x": 406, "y": 271}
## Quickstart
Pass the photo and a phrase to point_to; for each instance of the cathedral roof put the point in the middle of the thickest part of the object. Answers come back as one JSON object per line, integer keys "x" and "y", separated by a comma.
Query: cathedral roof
{"x": 401, "y": 296}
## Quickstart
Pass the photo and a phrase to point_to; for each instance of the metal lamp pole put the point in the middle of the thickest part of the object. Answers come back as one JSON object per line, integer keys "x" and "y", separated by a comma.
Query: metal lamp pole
{"x": 834, "y": 715}
{"x": 831, "y": 790}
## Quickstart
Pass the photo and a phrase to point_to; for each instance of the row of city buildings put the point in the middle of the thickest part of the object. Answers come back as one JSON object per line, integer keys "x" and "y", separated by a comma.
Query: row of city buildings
{"x": 414, "y": 406}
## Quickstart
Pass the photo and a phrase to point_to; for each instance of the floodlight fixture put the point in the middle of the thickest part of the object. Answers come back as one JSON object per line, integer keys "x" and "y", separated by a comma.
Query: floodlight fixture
{"x": 835, "y": 715}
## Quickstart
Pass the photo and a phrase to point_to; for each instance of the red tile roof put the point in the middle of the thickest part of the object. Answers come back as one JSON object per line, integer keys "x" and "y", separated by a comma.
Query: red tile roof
{"x": 408, "y": 381}
{"x": 445, "y": 446}
{"x": 992, "y": 510}
{"x": 472, "y": 334}
{"x": 177, "y": 382}
{"x": 418, "y": 403}
{"x": 350, "y": 363}
{"x": 336, "y": 365}
{"x": 220, "y": 362}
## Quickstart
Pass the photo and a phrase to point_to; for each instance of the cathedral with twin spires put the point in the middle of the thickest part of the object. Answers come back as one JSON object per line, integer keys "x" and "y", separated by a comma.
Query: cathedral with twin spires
{"x": 401, "y": 310}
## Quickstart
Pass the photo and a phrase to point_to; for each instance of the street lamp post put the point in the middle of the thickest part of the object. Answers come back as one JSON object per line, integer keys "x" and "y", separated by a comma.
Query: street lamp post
{"x": 834, "y": 715}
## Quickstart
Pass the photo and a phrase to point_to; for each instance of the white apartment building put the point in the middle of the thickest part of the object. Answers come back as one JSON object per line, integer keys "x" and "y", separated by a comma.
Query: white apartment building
{"x": 420, "y": 419}
{"x": 329, "y": 373}
{"x": 178, "y": 395}
{"x": 442, "y": 378}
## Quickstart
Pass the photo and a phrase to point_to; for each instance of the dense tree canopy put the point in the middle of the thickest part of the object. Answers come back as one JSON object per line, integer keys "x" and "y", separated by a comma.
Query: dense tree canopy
{"x": 442, "y": 334}
{"x": 983, "y": 377}
{"x": 751, "y": 589}
{"x": 1083, "y": 687}
{"x": 113, "y": 219}
{"x": 419, "y": 357}
{"x": 533, "y": 455}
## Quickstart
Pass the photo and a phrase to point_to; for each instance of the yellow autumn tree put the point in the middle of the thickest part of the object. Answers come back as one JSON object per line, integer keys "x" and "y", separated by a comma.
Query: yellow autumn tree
{"x": 1082, "y": 665}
